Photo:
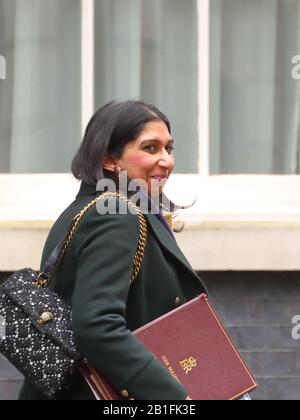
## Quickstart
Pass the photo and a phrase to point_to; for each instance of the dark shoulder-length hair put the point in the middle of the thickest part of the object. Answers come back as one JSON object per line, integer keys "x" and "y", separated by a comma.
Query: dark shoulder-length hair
{"x": 109, "y": 131}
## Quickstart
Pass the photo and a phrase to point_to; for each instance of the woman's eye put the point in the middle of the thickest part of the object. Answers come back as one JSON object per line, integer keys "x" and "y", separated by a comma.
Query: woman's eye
{"x": 153, "y": 149}
{"x": 150, "y": 148}
{"x": 170, "y": 149}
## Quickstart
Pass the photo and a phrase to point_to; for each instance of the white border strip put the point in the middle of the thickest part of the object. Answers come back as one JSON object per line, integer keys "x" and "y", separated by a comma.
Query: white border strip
{"x": 87, "y": 62}
{"x": 203, "y": 85}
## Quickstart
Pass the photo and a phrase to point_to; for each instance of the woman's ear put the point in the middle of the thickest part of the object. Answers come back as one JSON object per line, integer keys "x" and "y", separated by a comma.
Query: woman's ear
{"x": 109, "y": 163}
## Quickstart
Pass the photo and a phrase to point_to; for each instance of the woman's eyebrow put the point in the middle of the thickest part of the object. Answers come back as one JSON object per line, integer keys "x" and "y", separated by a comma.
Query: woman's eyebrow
{"x": 158, "y": 141}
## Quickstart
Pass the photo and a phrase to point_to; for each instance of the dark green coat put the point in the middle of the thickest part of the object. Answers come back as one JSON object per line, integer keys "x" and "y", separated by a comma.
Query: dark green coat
{"x": 94, "y": 278}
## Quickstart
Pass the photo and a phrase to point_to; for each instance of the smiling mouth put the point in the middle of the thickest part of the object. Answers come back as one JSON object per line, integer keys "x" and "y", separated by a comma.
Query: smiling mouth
{"x": 160, "y": 177}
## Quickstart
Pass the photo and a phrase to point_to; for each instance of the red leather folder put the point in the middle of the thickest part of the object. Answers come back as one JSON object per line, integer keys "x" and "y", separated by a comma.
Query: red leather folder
{"x": 193, "y": 345}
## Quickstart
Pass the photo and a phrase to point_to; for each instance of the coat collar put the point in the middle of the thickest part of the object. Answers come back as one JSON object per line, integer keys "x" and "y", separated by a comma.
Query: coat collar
{"x": 168, "y": 243}
{"x": 86, "y": 190}
{"x": 158, "y": 229}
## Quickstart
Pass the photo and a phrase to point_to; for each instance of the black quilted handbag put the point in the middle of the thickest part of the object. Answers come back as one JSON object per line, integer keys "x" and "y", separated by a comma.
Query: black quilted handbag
{"x": 37, "y": 336}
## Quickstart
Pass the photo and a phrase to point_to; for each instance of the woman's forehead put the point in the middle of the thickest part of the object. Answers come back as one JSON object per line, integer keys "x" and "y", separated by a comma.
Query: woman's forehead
{"x": 155, "y": 130}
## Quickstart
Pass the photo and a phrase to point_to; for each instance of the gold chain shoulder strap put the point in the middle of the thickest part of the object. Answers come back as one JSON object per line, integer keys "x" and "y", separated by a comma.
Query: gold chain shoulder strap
{"x": 138, "y": 258}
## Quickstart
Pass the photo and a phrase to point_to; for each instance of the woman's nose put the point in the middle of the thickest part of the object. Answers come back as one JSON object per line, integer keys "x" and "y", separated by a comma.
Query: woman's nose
{"x": 167, "y": 160}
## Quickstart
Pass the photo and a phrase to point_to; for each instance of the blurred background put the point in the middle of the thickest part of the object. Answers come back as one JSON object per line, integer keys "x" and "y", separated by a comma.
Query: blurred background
{"x": 227, "y": 74}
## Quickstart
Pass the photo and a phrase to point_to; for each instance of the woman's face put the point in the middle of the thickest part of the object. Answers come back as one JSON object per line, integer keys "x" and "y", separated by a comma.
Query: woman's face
{"x": 150, "y": 157}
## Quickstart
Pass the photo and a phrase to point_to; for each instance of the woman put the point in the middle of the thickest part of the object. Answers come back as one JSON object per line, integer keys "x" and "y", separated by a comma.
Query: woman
{"x": 94, "y": 276}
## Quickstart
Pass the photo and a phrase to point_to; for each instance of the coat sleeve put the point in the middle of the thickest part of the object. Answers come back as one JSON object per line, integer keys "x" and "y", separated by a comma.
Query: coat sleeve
{"x": 106, "y": 246}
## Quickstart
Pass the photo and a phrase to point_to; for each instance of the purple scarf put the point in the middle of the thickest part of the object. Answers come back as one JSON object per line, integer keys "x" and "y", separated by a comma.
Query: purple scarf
{"x": 159, "y": 214}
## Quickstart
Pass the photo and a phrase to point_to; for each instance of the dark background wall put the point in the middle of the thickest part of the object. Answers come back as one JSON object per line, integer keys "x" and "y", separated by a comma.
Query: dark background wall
{"x": 257, "y": 308}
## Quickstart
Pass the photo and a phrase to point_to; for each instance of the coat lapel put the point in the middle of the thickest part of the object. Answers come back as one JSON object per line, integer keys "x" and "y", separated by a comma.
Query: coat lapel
{"x": 168, "y": 243}
{"x": 158, "y": 229}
